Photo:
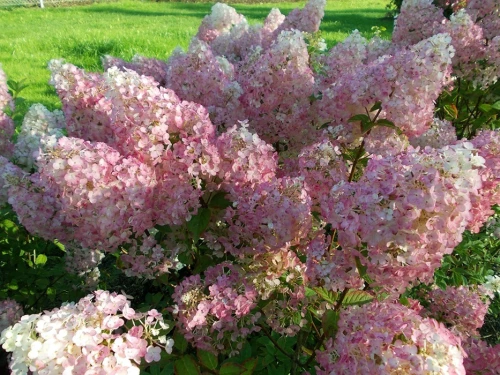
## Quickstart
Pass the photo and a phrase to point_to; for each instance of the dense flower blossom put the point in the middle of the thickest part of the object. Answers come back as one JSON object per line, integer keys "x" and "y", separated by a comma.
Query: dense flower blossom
{"x": 487, "y": 144}
{"x": 406, "y": 85}
{"x": 202, "y": 77}
{"x": 407, "y": 211}
{"x": 39, "y": 133}
{"x": 383, "y": 338}
{"x": 482, "y": 359}
{"x": 415, "y": 13}
{"x": 276, "y": 85}
{"x": 103, "y": 194}
{"x": 90, "y": 335}
{"x": 142, "y": 65}
{"x": 461, "y": 308}
{"x": 83, "y": 100}
{"x": 215, "y": 314}
{"x": 240, "y": 158}
{"x": 441, "y": 133}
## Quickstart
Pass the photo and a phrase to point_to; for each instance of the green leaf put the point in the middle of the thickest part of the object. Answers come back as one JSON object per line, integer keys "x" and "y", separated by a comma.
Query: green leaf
{"x": 485, "y": 107}
{"x": 330, "y": 322}
{"x": 219, "y": 200}
{"x": 207, "y": 359}
{"x": 496, "y": 105}
{"x": 41, "y": 259}
{"x": 186, "y": 365}
{"x": 357, "y": 297}
{"x": 231, "y": 368}
{"x": 180, "y": 343}
{"x": 202, "y": 263}
{"x": 362, "y": 118}
{"x": 388, "y": 124}
{"x": 310, "y": 292}
{"x": 327, "y": 295}
{"x": 59, "y": 245}
{"x": 199, "y": 223}
{"x": 250, "y": 366}
{"x": 376, "y": 106}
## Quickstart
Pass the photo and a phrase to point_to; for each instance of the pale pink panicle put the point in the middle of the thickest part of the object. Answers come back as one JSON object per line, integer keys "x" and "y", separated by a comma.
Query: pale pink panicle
{"x": 277, "y": 83}
{"x": 405, "y": 84}
{"x": 441, "y": 133}
{"x": 85, "y": 106}
{"x": 222, "y": 18}
{"x": 385, "y": 338}
{"x": 463, "y": 308}
{"x": 487, "y": 144}
{"x": 199, "y": 75}
{"x": 157, "y": 69}
{"x": 406, "y": 211}
{"x": 408, "y": 28}
{"x": 215, "y": 314}
{"x": 482, "y": 358}
{"x": 307, "y": 19}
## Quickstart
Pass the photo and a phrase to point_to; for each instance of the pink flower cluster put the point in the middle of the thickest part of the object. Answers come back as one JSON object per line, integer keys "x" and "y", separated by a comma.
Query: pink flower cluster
{"x": 215, "y": 314}
{"x": 91, "y": 336}
{"x": 406, "y": 211}
{"x": 473, "y": 26}
{"x": 385, "y": 338}
{"x": 462, "y": 308}
{"x": 482, "y": 359}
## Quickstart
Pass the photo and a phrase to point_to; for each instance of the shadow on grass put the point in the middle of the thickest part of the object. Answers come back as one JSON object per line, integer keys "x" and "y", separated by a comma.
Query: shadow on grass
{"x": 192, "y": 10}
{"x": 87, "y": 54}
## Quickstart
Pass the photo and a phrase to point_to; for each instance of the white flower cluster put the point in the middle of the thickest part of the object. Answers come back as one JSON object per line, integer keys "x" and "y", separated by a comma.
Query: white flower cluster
{"x": 492, "y": 283}
{"x": 40, "y": 131}
{"x": 101, "y": 334}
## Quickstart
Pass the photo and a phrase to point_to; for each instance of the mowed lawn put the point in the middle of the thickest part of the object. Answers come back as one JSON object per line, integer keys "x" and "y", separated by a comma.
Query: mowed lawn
{"x": 30, "y": 37}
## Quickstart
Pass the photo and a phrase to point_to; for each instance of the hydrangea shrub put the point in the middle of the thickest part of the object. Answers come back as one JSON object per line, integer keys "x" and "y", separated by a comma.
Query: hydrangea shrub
{"x": 288, "y": 196}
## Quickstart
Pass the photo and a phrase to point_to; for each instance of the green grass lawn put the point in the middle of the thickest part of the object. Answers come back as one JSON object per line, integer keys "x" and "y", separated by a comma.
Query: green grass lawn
{"x": 30, "y": 37}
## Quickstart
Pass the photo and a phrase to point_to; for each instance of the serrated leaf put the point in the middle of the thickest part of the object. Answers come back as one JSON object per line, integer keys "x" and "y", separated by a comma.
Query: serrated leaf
{"x": 231, "y": 368}
{"x": 327, "y": 295}
{"x": 186, "y": 365}
{"x": 199, "y": 222}
{"x": 219, "y": 200}
{"x": 207, "y": 359}
{"x": 357, "y": 297}
{"x": 41, "y": 259}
